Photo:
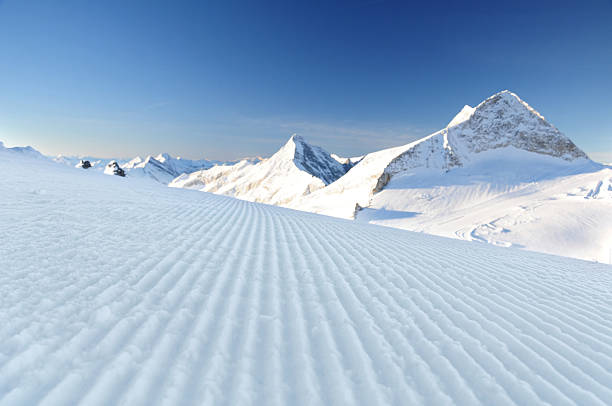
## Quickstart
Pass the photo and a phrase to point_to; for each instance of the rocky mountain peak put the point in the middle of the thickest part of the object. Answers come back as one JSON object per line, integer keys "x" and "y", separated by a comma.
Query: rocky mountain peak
{"x": 311, "y": 159}
{"x": 504, "y": 120}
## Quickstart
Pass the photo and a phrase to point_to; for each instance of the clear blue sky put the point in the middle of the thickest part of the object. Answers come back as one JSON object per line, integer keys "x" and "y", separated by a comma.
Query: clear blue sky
{"x": 229, "y": 79}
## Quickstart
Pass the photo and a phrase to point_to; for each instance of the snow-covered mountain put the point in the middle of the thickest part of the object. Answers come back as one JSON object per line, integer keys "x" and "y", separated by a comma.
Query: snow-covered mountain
{"x": 162, "y": 168}
{"x": 297, "y": 169}
{"x": 498, "y": 173}
{"x": 131, "y": 293}
{"x": 21, "y": 151}
{"x": 503, "y": 121}
{"x": 97, "y": 164}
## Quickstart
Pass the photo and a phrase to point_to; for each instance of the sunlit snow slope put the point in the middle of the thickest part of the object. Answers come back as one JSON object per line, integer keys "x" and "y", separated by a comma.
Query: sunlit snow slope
{"x": 162, "y": 168}
{"x": 295, "y": 170}
{"x": 117, "y": 291}
{"x": 498, "y": 173}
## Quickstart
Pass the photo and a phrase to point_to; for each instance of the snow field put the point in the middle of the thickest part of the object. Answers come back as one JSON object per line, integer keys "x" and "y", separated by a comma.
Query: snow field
{"x": 115, "y": 292}
{"x": 565, "y": 210}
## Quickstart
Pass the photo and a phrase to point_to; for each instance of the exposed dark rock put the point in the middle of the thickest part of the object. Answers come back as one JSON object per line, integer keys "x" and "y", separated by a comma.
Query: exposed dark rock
{"x": 114, "y": 168}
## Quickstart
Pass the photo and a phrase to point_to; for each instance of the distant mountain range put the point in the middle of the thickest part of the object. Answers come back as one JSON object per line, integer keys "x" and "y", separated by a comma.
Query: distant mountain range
{"x": 498, "y": 172}
{"x": 162, "y": 168}
{"x": 296, "y": 170}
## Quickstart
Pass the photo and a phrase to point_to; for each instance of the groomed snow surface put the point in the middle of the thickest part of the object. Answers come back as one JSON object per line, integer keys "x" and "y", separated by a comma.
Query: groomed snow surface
{"x": 126, "y": 292}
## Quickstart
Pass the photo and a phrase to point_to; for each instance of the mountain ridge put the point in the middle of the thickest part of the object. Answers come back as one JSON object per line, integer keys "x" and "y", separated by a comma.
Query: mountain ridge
{"x": 296, "y": 169}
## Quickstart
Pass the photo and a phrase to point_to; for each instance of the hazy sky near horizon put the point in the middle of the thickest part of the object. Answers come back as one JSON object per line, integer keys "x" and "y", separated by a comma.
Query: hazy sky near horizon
{"x": 228, "y": 79}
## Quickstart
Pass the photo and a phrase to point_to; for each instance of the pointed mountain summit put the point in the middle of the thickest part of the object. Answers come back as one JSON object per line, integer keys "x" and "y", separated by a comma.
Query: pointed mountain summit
{"x": 505, "y": 120}
{"x": 163, "y": 167}
{"x": 311, "y": 159}
{"x": 501, "y": 121}
{"x": 295, "y": 170}
{"x": 502, "y": 124}
{"x": 465, "y": 113}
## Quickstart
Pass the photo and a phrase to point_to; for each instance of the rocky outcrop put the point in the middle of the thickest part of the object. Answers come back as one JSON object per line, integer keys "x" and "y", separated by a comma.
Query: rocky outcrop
{"x": 315, "y": 160}
{"x": 503, "y": 120}
{"x": 113, "y": 168}
{"x": 84, "y": 164}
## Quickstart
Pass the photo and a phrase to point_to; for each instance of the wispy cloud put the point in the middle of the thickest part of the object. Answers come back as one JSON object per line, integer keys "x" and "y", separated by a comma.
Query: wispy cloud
{"x": 155, "y": 106}
{"x": 344, "y": 137}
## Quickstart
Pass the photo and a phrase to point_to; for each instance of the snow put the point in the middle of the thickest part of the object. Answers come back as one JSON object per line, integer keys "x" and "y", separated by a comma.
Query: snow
{"x": 339, "y": 198}
{"x": 21, "y": 151}
{"x": 499, "y": 173}
{"x": 162, "y": 168}
{"x": 464, "y": 115}
{"x": 117, "y": 291}
{"x": 97, "y": 164}
{"x": 295, "y": 170}
{"x": 542, "y": 204}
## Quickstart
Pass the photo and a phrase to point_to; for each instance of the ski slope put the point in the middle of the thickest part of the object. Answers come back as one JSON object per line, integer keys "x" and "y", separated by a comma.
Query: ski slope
{"x": 117, "y": 291}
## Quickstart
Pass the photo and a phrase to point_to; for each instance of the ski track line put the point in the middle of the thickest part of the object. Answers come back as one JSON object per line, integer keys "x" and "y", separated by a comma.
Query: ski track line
{"x": 239, "y": 386}
{"x": 364, "y": 322}
{"x": 316, "y": 269}
{"x": 328, "y": 362}
{"x": 389, "y": 318}
{"x": 212, "y": 316}
{"x": 268, "y": 359}
{"x": 234, "y": 327}
{"x": 178, "y": 385}
{"x": 326, "y": 357}
{"x": 169, "y": 350}
{"x": 298, "y": 348}
{"x": 354, "y": 358}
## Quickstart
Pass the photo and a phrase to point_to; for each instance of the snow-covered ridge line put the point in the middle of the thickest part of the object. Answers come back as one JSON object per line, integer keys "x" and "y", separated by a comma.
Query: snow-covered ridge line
{"x": 162, "y": 168}
{"x": 499, "y": 173}
{"x": 295, "y": 170}
{"x": 501, "y": 121}
{"x": 26, "y": 151}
